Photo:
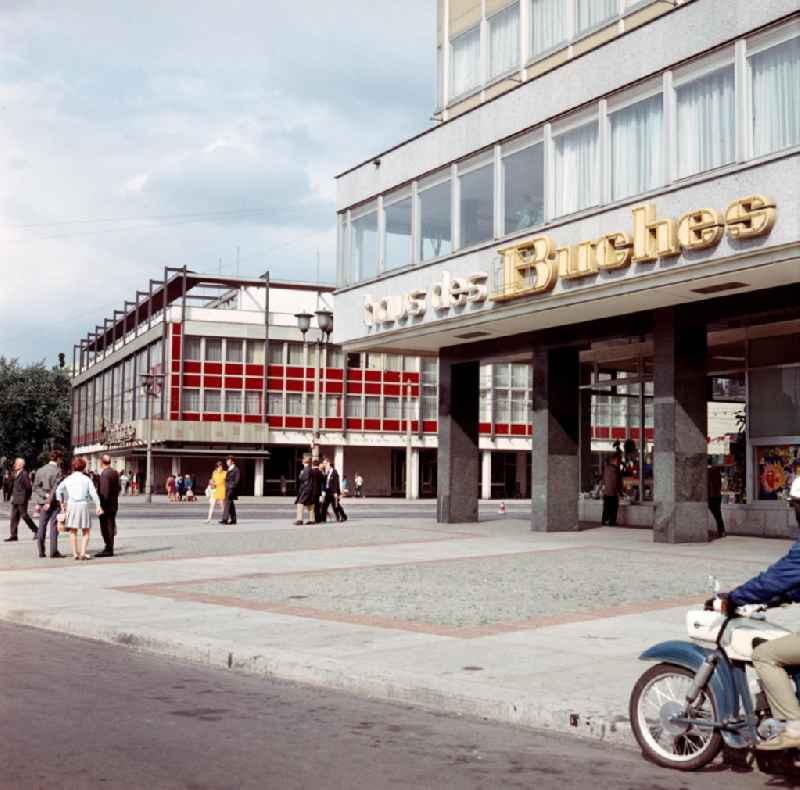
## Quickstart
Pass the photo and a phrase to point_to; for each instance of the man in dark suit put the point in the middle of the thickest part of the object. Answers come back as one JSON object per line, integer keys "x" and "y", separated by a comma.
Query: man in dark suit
{"x": 316, "y": 489}
{"x": 108, "y": 490}
{"x": 20, "y": 496}
{"x": 232, "y": 479}
{"x": 333, "y": 492}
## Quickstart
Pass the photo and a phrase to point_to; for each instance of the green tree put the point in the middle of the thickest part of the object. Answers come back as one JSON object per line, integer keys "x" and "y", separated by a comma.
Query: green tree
{"x": 35, "y": 411}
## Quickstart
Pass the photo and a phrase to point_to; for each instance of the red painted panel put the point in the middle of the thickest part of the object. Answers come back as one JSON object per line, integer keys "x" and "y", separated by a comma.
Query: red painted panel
{"x": 233, "y": 382}
{"x": 485, "y": 427}
{"x": 272, "y": 370}
{"x": 176, "y": 366}
{"x": 392, "y": 389}
{"x": 391, "y": 425}
{"x": 254, "y": 370}
{"x": 309, "y": 421}
{"x": 252, "y": 418}
{"x": 372, "y": 425}
{"x": 414, "y": 426}
{"x": 176, "y": 347}
{"x": 519, "y": 430}
{"x": 294, "y": 385}
{"x": 176, "y": 329}
{"x": 214, "y": 368}
{"x": 391, "y": 375}
{"x": 353, "y": 389}
{"x": 649, "y": 433}
{"x": 617, "y": 433}
{"x": 530, "y": 430}
{"x": 173, "y": 415}
{"x": 334, "y": 373}
{"x": 354, "y": 425}
{"x": 191, "y": 417}
{"x": 191, "y": 367}
{"x": 634, "y": 433}
{"x": 212, "y": 418}
{"x": 333, "y": 423}
{"x": 411, "y": 377}
{"x": 372, "y": 375}
{"x": 354, "y": 375}
{"x": 415, "y": 391}
{"x": 501, "y": 428}
{"x": 429, "y": 426}
{"x": 191, "y": 381}
{"x": 309, "y": 385}
{"x": 310, "y": 373}
{"x": 275, "y": 422}
{"x": 234, "y": 368}
{"x": 294, "y": 372}
{"x": 232, "y": 418}
{"x": 275, "y": 384}
{"x": 212, "y": 382}
{"x": 334, "y": 386}
{"x": 253, "y": 384}
{"x": 294, "y": 422}
{"x": 372, "y": 389}
{"x": 601, "y": 433}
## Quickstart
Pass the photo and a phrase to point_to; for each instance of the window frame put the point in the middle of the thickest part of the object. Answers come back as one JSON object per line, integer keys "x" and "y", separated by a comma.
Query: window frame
{"x": 491, "y": 79}
{"x": 454, "y": 97}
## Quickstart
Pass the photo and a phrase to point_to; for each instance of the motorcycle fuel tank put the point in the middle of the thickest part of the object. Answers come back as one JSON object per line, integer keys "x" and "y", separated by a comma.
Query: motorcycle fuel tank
{"x": 741, "y": 631}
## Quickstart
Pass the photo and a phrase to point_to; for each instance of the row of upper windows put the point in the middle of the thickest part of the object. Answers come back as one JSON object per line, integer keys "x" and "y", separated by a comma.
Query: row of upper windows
{"x": 680, "y": 124}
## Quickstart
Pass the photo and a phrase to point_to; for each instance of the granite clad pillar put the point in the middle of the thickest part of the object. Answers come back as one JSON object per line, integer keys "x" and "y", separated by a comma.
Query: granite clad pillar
{"x": 556, "y": 438}
{"x": 680, "y": 421}
{"x": 585, "y": 448}
{"x": 458, "y": 474}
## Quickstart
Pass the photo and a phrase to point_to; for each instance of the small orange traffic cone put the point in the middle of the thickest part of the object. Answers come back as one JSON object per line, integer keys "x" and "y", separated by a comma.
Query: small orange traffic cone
{"x": 502, "y": 510}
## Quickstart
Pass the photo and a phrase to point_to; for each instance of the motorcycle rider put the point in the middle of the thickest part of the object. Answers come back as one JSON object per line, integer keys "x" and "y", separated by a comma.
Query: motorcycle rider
{"x": 770, "y": 659}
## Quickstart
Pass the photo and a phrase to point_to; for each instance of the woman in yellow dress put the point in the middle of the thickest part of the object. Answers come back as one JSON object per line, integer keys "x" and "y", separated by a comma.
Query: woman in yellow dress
{"x": 216, "y": 489}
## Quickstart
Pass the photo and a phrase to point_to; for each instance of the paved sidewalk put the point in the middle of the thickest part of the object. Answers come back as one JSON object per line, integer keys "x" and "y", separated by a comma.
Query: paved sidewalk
{"x": 485, "y": 619}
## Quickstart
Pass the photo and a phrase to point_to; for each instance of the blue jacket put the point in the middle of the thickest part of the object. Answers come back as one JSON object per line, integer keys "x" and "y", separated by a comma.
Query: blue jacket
{"x": 779, "y": 580}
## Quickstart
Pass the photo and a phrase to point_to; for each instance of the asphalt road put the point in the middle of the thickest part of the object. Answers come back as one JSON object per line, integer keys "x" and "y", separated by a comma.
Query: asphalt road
{"x": 78, "y": 714}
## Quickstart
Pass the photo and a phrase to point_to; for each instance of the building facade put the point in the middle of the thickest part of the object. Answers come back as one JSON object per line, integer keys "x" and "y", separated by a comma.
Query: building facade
{"x": 612, "y": 197}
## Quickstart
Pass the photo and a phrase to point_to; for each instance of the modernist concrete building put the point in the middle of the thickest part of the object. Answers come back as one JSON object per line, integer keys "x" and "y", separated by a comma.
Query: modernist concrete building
{"x": 612, "y": 196}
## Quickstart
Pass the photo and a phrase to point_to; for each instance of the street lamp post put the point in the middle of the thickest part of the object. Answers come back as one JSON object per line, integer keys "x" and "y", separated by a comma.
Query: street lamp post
{"x": 151, "y": 386}
{"x": 325, "y": 324}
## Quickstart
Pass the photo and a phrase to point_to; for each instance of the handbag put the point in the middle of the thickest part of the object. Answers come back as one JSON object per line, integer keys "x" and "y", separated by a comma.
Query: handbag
{"x": 60, "y": 522}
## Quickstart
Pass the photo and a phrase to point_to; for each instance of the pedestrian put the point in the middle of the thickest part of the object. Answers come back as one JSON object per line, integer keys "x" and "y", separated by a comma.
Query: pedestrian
{"x": 232, "y": 478}
{"x": 216, "y": 490}
{"x": 124, "y": 481}
{"x": 715, "y": 498}
{"x": 170, "y": 486}
{"x": 20, "y": 496}
{"x": 134, "y": 476}
{"x": 359, "y": 481}
{"x": 305, "y": 495}
{"x": 333, "y": 492}
{"x": 8, "y": 484}
{"x": 188, "y": 484}
{"x": 179, "y": 488}
{"x": 74, "y": 494}
{"x": 794, "y": 494}
{"x": 612, "y": 487}
{"x": 284, "y": 486}
{"x": 108, "y": 491}
{"x": 345, "y": 486}
{"x": 316, "y": 489}
{"x": 47, "y": 479}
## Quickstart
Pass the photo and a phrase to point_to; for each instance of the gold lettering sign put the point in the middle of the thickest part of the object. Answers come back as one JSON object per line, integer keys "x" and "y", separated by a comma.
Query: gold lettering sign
{"x": 534, "y": 266}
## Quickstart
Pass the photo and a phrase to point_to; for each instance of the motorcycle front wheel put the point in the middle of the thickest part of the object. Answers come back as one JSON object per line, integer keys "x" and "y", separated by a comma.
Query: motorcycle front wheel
{"x": 660, "y": 693}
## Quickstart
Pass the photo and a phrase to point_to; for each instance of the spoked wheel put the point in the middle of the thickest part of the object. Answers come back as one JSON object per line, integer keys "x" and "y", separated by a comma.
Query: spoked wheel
{"x": 659, "y": 694}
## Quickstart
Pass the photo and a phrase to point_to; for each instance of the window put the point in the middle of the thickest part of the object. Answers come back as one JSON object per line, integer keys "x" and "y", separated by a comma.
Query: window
{"x": 275, "y": 403}
{"x": 477, "y": 205}
{"x": 502, "y": 375}
{"x": 436, "y": 237}
{"x": 212, "y": 401}
{"x": 391, "y": 408}
{"x": 576, "y": 166}
{"x": 465, "y": 62}
{"x": 591, "y": 13}
{"x": 353, "y": 406}
{"x": 354, "y": 360}
{"x": 295, "y": 354}
{"x": 233, "y": 350}
{"x": 364, "y": 245}
{"x": 502, "y": 406}
{"x": 504, "y": 40}
{"x": 519, "y": 408}
{"x": 397, "y": 217}
{"x": 636, "y": 146}
{"x": 520, "y": 375}
{"x": 191, "y": 348}
{"x": 191, "y": 400}
{"x": 411, "y": 364}
{"x": 373, "y": 408}
{"x": 485, "y": 406}
{"x": 294, "y": 404}
{"x": 252, "y": 402}
{"x": 335, "y": 358}
{"x": 374, "y": 361}
{"x": 706, "y": 122}
{"x": 213, "y": 350}
{"x": 523, "y": 187}
{"x": 429, "y": 407}
{"x": 275, "y": 352}
{"x": 430, "y": 370}
{"x": 393, "y": 362}
{"x": 233, "y": 401}
{"x": 255, "y": 352}
{"x": 548, "y": 25}
{"x": 775, "y": 75}
{"x": 333, "y": 406}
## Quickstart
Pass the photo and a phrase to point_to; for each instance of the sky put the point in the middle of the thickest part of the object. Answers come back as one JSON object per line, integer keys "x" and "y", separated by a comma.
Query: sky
{"x": 135, "y": 135}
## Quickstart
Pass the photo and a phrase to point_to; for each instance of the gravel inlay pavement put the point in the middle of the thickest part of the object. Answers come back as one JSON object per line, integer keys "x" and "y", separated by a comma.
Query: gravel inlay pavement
{"x": 489, "y": 590}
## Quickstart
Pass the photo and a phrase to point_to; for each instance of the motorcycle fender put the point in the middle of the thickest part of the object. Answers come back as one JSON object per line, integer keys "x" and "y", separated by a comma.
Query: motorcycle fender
{"x": 691, "y": 656}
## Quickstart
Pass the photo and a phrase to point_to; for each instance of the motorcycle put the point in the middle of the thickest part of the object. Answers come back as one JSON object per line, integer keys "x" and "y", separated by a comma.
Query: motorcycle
{"x": 698, "y": 699}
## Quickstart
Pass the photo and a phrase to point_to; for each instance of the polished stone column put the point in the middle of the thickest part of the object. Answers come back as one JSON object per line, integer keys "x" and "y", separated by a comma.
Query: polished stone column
{"x": 585, "y": 445}
{"x": 680, "y": 418}
{"x": 458, "y": 474}
{"x": 556, "y": 428}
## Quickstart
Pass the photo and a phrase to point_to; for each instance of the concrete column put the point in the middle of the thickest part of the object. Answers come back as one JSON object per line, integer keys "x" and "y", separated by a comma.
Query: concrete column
{"x": 522, "y": 472}
{"x": 585, "y": 448}
{"x": 258, "y": 485}
{"x": 414, "y": 473}
{"x": 176, "y": 465}
{"x": 680, "y": 417}
{"x": 338, "y": 459}
{"x": 556, "y": 421}
{"x": 486, "y": 474}
{"x": 458, "y": 458}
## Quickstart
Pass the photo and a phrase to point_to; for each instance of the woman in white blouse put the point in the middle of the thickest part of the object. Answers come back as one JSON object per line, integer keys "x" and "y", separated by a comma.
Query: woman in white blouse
{"x": 74, "y": 493}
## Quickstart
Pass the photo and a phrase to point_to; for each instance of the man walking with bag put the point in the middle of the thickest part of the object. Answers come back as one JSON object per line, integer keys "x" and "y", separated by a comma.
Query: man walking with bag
{"x": 47, "y": 479}
{"x": 20, "y": 496}
{"x": 109, "y": 490}
{"x": 333, "y": 492}
{"x": 232, "y": 479}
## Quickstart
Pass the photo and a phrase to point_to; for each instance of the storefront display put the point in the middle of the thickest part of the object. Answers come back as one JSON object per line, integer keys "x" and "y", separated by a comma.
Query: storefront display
{"x": 775, "y": 466}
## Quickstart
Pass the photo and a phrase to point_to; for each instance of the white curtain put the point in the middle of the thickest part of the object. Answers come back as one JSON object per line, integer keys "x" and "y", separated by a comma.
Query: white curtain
{"x": 577, "y": 166}
{"x": 548, "y": 26}
{"x": 466, "y": 62}
{"x": 593, "y": 12}
{"x": 504, "y": 40}
{"x": 776, "y": 97}
{"x": 636, "y": 146}
{"x": 706, "y": 122}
